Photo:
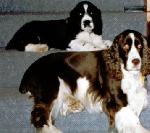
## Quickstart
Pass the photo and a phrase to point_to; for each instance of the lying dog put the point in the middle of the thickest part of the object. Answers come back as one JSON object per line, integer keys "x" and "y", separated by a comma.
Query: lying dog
{"x": 40, "y": 36}
{"x": 69, "y": 82}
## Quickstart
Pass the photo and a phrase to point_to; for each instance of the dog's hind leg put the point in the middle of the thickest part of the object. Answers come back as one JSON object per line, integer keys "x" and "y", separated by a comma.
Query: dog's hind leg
{"x": 41, "y": 117}
{"x": 45, "y": 105}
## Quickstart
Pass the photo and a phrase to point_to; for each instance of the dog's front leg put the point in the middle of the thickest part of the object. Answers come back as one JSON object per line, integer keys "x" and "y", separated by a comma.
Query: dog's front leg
{"x": 127, "y": 122}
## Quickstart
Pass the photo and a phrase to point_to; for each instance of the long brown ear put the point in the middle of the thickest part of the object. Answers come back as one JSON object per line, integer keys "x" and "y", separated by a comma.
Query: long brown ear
{"x": 112, "y": 59}
{"x": 145, "y": 58}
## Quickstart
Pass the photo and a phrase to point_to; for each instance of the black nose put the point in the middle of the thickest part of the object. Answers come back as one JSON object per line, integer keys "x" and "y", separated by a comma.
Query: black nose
{"x": 136, "y": 61}
{"x": 87, "y": 22}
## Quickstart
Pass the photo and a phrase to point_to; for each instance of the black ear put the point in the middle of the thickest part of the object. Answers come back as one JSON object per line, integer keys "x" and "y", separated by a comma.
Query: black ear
{"x": 73, "y": 23}
{"x": 72, "y": 13}
{"x": 98, "y": 22}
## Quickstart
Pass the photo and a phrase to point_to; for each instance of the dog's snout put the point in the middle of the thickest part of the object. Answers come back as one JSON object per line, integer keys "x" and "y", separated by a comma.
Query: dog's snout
{"x": 87, "y": 22}
{"x": 136, "y": 61}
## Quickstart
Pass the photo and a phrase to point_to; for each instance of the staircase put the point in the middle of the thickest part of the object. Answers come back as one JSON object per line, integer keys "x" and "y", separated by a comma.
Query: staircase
{"x": 117, "y": 15}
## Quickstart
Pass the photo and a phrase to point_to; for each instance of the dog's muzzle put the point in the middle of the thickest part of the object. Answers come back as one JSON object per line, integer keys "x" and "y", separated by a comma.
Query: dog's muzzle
{"x": 87, "y": 23}
{"x": 135, "y": 61}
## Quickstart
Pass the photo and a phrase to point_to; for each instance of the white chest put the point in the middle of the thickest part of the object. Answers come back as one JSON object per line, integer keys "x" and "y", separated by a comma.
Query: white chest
{"x": 133, "y": 85}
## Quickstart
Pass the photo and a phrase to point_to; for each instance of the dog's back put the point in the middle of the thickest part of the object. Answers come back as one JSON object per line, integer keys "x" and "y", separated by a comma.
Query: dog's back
{"x": 51, "y": 33}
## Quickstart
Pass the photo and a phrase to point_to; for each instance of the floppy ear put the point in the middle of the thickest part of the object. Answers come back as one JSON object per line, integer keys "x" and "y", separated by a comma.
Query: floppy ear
{"x": 113, "y": 60}
{"x": 97, "y": 20}
{"x": 145, "y": 58}
{"x": 73, "y": 25}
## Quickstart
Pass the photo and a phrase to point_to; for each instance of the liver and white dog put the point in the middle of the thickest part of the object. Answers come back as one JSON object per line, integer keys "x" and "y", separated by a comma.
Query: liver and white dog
{"x": 110, "y": 80}
{"x": 84, "y": 23}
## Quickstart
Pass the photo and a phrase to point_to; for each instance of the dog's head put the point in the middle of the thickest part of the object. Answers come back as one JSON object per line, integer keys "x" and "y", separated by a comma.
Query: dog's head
{"x": 130, "y": 48}
{"x": 86, "y": 17}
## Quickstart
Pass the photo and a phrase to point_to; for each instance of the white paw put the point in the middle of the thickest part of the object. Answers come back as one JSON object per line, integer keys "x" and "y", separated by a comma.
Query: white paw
{"x": 48, "y": 129}
{"x": 36, "y": 48}
{"x": 126, "y": 121}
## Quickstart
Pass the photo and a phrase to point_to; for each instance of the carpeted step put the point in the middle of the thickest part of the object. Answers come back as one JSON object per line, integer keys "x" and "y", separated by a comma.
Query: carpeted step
{"x": 15, "y": 110}
{"x": 113, "y": 23}
{"x": 55, "y": 5}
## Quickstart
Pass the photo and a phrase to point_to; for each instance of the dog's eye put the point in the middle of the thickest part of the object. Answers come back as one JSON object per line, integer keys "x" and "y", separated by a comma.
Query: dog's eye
{"x": 139, "y": 46}
{"x": 126, "y": 47}
{"x": 91, "y": 13}
{"x": 80, "y": 13}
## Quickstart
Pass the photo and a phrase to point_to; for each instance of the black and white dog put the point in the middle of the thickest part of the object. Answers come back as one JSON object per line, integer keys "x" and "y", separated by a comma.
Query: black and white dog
{"x": 84, "y": 23}
{"x": 109, "y": 80}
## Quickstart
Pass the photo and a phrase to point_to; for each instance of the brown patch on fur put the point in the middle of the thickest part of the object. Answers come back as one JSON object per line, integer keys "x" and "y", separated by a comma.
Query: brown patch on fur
{"x": 80, "y": 63}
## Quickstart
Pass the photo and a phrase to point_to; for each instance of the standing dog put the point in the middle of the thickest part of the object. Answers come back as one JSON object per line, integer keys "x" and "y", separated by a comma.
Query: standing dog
{"x": 69, "y": 82}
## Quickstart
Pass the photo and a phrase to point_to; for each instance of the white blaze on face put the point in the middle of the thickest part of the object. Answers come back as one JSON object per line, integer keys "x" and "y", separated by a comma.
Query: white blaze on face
{"x": 86, "y": 17}
{"x": 85, "y": 7}
{"x": 133, "y": 54}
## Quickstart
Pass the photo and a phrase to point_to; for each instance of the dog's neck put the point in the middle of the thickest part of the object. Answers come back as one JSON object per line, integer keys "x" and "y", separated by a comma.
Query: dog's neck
{"x": 132, "y": 80}
{"x": 131, "y": 74}
{"x": 132, "y": 84}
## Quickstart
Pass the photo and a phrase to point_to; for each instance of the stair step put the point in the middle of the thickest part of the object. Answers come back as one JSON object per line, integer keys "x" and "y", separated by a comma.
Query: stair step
{"x": 55, "y": 6}
{"x": 15, "y": 110}
{"x": 113, "y": 23}
{"x": 13, "y": 65}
